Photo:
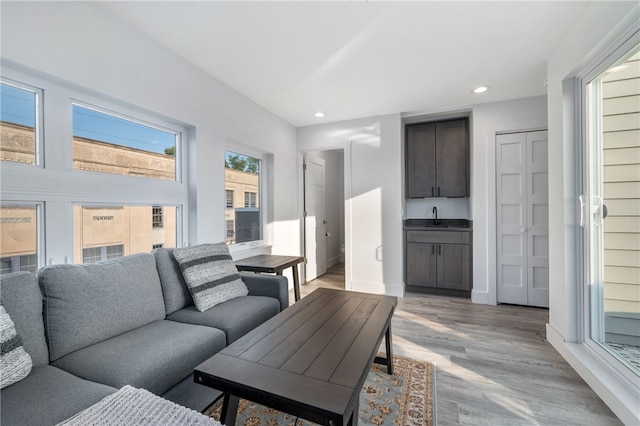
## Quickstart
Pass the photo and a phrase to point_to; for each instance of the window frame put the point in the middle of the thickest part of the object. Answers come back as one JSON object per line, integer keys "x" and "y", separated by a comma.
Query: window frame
{"x": 39, "y": 113}
{"x": 57, "y": 186}
{"x": 584, "y": 133}
{"x": 40, "y": 226}
{"x": 261, "y": 200}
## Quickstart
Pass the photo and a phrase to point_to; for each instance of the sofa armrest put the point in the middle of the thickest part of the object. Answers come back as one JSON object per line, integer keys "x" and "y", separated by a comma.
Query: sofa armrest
{"x": 275, "y": 286}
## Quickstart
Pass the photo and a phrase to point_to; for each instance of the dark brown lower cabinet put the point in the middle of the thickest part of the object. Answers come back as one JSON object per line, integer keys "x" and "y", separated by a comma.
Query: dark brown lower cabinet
{"x": 439, "y": 262}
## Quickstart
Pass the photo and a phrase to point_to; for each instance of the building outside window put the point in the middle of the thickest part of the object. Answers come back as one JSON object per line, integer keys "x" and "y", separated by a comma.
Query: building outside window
{"x": 244, "y": 219}
{"x": 98, "y": 254}
{"x": 106, "y": 143}
{"x": 156, "y": 217}
{"x": 18, "y": 238}
{"x": 18, "y": 123}
{"x": 250, "y": 199}
{"x": 230, "y": 229}
{"x": 130, "y": 227}
{"x": 229, "y": 199}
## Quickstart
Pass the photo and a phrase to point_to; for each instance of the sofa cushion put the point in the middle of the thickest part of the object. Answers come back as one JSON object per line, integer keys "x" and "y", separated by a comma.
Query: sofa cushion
{"x": 22, "y": 299}
{"x": 48, "y": 396}
{"x": 235, "y": 317}
{"x": 174, "y": 289}
{"x": 210, "y": 274}
{"x": 15, "y": 362}
{"x": 86, "y": 304}
{"x": 155, "y": 356}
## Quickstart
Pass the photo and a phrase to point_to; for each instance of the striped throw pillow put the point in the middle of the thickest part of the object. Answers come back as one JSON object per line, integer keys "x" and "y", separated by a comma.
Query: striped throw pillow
{"x": 15, "y": 362}
{"x": 210, "y": 274}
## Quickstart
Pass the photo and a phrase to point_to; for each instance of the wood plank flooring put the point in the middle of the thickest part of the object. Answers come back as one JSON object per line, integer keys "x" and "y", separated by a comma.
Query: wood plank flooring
{"x": 493, "y": 364}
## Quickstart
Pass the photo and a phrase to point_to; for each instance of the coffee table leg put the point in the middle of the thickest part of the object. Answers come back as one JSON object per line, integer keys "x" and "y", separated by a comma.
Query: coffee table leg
{"x": 229, "y": 409}
{"x": 389, "y": 345}
{"x": 296, "y": 282}
{"x": 353, "y": 421}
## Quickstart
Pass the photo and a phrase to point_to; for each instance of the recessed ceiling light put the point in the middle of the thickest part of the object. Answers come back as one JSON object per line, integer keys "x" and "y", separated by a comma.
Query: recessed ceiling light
{"x": 319, "y": 114}
{"x": 481, "y": 89}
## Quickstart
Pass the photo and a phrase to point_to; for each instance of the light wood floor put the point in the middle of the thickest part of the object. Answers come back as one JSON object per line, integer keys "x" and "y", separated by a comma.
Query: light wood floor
{"x": 493, "y": 364}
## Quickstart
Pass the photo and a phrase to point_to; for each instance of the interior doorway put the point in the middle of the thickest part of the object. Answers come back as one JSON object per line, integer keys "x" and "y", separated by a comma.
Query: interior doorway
{"x": 324, "y": 235}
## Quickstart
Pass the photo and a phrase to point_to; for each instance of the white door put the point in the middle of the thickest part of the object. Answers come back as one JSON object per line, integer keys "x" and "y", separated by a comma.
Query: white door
{"x": 315, "y": 229}
{"x": 522, "y": 219}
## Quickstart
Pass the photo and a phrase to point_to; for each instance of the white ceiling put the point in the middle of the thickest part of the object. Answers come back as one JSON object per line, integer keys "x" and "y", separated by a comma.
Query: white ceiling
{"x": 359, "y": 59}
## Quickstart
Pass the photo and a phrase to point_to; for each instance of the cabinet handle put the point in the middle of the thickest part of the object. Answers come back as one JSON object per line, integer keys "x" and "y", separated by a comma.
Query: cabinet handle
{"x": 440, "y": 249}
{"x": 432, "y": 191}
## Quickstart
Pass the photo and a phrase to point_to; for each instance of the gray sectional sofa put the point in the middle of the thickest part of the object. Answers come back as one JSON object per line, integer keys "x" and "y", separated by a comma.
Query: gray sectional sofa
{"x": 92, "y": 329}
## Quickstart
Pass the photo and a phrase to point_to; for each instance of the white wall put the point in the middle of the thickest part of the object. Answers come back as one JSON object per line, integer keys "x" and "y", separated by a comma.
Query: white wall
{"x": 80, "y": 43}
{"x": 597, "y": 29}
{"x": 373, "y": 206}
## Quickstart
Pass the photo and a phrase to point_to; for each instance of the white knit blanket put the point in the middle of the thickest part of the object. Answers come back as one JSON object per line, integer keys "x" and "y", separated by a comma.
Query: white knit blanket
{"x": 132, "y": 406}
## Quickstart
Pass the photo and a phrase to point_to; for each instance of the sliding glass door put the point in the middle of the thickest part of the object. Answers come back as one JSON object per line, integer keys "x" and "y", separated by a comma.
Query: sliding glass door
{"x": 610, "y": 211}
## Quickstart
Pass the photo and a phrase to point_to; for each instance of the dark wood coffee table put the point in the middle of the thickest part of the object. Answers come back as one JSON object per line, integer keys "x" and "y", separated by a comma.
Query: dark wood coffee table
{"x": 310, "y": 360}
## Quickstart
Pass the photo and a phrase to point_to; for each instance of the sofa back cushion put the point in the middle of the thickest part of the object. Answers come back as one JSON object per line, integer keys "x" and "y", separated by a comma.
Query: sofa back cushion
{"x": 86, "y": 304}
{"x": 174, "y": 288}
{"x": 22, "y": 300}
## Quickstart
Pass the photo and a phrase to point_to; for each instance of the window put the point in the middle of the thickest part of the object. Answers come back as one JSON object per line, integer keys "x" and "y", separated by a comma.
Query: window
{"x": 229, "y": 199}
{"x": 107, "y": 143}
{"x": 97, "y": 254}
{"x": 231, "y": 233}
{"x": 120, "y": 230}
{"x": 156, "y": 217}
{"x": 18, "y": 118}
{"x": 250, "y": 199}
{"x": 243, "y": 174}
{"x": 18, "y": 238}
{"x": 115, "y": 156}
{"x": 611, "y": 201}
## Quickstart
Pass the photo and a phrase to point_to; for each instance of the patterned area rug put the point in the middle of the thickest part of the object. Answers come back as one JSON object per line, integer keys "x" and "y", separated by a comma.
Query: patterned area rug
{"x": 404, "y": 399}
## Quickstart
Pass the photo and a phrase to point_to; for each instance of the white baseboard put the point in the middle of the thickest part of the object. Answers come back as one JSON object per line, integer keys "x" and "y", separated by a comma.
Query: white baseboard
{"x": 377, "y": 288}
{"x": 334, "y": 261}
{"x": 480, "y": 297}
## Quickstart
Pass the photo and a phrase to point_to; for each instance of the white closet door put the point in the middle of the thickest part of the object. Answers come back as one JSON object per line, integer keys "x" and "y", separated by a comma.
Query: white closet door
{"x": 511, "y": 200}
{"x": 522, "y": 219}
{"x": 538, "y": 220}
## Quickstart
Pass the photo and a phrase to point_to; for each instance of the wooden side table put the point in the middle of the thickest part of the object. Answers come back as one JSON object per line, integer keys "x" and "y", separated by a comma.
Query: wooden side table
{"x": 273, "y": 264}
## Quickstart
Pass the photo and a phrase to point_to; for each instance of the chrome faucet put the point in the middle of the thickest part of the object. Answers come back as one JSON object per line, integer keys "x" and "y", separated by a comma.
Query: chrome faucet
{"x": 435, "y": 215}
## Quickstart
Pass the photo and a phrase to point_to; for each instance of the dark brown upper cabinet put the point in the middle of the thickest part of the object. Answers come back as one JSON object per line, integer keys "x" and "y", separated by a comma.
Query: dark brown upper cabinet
{"x": 437, "y": 159}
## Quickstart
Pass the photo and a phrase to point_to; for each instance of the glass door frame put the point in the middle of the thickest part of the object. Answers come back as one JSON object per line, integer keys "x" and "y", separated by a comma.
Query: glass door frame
{"x": 589, "y": 211}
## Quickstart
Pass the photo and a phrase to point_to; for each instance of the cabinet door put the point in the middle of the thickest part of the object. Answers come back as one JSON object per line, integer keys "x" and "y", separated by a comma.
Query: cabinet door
{"x": 421, "y": 264}
{"x": 452, "y": 153}
{"x": 454, "y": 267}
{"x": 420, "y": 156}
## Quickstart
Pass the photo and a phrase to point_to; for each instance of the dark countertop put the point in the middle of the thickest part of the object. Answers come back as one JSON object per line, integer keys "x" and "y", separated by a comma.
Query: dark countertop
{"x": 443, "y": 224}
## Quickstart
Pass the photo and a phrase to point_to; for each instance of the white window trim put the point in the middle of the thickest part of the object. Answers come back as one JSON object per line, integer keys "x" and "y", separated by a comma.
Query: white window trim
{"x": 39, "y": 128}
{"x": 240, "y": 249}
